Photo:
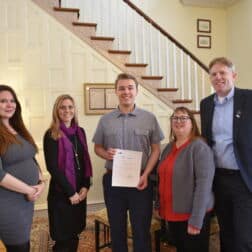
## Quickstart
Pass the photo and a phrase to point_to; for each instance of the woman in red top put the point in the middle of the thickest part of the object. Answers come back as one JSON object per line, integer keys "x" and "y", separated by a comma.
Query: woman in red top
{"x": 186, "y": 172}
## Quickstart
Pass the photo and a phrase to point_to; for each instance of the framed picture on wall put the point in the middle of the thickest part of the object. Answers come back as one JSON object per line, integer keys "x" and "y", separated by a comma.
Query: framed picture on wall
{"x": 204, "y": 25}
{"x": 203, "y": 41}
{"x": 99, "y": 98}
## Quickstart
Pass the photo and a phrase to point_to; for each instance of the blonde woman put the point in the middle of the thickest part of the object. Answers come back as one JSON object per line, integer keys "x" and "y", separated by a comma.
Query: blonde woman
{"x": 68, "y": 162}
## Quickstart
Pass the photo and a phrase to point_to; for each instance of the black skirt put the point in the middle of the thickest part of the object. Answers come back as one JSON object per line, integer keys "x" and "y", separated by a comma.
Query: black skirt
{"x": 65, "y": 220}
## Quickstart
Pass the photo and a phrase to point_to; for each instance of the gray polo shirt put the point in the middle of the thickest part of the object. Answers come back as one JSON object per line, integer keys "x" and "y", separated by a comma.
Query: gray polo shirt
{"x": 136, "y": 131}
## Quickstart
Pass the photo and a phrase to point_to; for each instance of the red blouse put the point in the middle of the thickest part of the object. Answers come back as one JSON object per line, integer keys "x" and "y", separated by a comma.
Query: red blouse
{"x": 165, "y": 173}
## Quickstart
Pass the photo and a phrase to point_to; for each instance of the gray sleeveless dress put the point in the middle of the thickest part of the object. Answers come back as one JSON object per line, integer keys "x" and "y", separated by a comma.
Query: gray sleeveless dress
{"x": 15, "y": 211}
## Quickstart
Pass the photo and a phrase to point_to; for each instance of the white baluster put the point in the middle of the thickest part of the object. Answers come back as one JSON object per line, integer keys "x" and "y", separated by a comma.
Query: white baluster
{"x": 151, "y": 51}
{"x": 143, "y": 27}
{"x": 89, "y": 16}
{"x": 203, "y": 82}
{"x": 175, "y": 65}
{"x": 83, "y": 11}
{"x": 118, "y": 25}
{"x": 135, "y": 38}
{"x": 101, "y": 18}
{"x": 64, "y": 3}
{"x": 125, "y": 33}
{"x": 97, "y": 18}
{"x": 159, "y": 59}
{"x": 167, "y": 61}
{"x": 112, "y": 17}
{"x": 196, "y": 86}
{"x": 189, "y": 77}
{"x": 105, "y": 18}
{"x": 86, "y": 7}
{"x": 182, "y": 84}
{"x": 128, "y": 31}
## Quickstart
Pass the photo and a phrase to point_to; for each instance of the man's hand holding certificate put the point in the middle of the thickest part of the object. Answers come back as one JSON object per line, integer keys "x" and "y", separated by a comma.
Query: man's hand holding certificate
{"x": 126, "y": 168}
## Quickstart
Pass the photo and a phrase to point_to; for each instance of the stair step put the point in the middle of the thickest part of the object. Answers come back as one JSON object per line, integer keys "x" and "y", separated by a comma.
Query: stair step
{"x": 167, "y": 89}
{"x": 67, "y": 10}
{"x": 84, "y": 30}
{"x": 135, "y": 65}
{"x": 102, "y": 38}
{"x": 119, "y": 52}
{"x": 168, "y": 93}
{"x": 104, "y": 43}
{"x": 85, "y": 24}
{"x": 182, "y": 101}
{"x": 152, "y": 77}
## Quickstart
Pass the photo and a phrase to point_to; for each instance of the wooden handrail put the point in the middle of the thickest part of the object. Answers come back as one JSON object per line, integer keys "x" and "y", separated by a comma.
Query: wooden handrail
{"x": 153, "y": 23}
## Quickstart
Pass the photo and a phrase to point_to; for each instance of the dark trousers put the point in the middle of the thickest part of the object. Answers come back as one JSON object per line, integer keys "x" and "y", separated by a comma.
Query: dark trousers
{"x": 234, "y": 212}
{"x": 70, "y": 245}
{"x": 25, "y": 247}
{"x": 119, "y": 201}
{"x": 185, "y": 242}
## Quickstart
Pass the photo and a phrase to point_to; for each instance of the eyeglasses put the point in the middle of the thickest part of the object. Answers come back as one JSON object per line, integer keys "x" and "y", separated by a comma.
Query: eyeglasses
{"x": 180, "y": 118}
{"x": 70, "y": 107}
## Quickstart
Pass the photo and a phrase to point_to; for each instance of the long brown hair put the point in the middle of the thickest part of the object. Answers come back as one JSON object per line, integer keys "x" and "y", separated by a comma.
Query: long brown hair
{"x": 16, "y": 121}
{"x": 55, "y": 124}
{"x": 195, "y": 133}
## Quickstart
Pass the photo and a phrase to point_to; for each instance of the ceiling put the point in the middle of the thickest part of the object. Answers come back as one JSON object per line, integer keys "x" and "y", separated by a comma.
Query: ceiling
{"x": 209, "y": 3}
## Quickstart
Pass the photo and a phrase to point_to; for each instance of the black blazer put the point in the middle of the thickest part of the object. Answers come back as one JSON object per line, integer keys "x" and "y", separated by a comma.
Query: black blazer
{"x": 242, "y": 129}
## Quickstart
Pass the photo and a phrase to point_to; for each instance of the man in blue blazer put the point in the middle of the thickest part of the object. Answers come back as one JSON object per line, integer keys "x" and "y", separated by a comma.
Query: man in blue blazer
{"x": 226, "y": 123}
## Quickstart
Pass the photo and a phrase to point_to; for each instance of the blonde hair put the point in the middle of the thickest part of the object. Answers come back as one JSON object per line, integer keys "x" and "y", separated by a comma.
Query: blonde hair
{"x": 55, "y": 124}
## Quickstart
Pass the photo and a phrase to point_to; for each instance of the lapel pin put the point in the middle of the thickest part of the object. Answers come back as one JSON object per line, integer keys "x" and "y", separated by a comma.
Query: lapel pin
{"x": 238, "y": 114}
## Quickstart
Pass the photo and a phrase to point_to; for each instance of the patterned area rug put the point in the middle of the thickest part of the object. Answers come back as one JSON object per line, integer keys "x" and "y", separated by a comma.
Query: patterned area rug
{"x": 40, "y": 241}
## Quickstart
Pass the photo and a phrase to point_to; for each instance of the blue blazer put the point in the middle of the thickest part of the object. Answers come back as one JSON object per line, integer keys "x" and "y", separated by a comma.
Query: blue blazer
{"x": 242, "y": 129}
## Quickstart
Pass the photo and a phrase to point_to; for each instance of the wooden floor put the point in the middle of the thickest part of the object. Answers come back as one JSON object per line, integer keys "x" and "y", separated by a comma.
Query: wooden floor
{"x": 2, "y": 248}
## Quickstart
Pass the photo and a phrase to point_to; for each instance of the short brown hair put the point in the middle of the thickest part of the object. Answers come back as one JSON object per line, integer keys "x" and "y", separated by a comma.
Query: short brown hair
{"x": 195, "y": 133}
{"x": 125, "y": 76}
{"x": 222, "y": 60}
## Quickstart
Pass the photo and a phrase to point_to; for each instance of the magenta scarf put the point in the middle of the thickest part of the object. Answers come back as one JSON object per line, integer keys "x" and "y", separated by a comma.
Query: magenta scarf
{"x": 66, "y": 161}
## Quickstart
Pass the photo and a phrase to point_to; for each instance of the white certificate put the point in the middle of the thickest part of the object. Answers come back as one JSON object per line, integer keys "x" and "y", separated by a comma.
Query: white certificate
{"x": 126, "y": 168}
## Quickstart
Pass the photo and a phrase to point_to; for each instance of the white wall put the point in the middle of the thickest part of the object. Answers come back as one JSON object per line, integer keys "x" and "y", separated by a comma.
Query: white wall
{"x": 231, "y": 30}
{"x": 239, "y": 37}
{"x": 181, "y": 22}
{"x": 40, "y": 59}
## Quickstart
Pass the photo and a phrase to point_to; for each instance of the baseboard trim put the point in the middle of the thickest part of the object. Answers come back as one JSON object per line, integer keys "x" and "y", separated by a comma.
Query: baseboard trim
{"x": 92, "y": 206}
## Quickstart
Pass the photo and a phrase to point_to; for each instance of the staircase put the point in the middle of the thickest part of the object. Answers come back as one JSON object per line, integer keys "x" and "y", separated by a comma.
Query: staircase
{"x": 133, "y": 42}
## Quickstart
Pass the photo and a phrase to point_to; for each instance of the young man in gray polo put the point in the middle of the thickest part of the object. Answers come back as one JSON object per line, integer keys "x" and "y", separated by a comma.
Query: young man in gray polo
{"x": 131, "y": 128}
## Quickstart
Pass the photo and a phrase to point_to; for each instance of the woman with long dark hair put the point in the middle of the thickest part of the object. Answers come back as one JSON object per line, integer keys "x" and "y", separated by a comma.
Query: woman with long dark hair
{"x": 20, "y": 177}
{"x": 68, "y": 162}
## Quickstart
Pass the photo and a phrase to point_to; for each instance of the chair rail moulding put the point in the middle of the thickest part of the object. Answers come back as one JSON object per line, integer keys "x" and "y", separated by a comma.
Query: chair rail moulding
{"x": 100, "y": 98}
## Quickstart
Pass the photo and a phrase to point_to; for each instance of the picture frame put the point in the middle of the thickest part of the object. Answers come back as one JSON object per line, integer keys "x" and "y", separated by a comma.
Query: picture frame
{"x": 204, "y": 41}
{"x": 204, "y": 25}
{"x": 99, "y": 98}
